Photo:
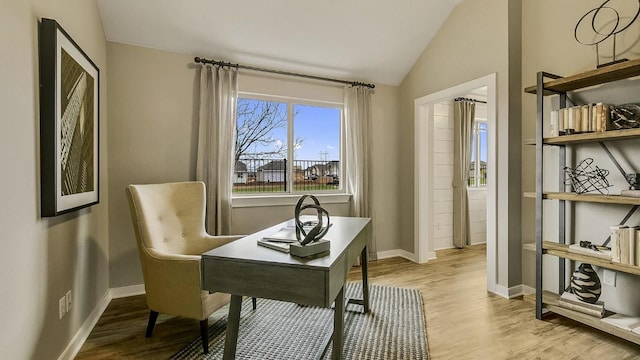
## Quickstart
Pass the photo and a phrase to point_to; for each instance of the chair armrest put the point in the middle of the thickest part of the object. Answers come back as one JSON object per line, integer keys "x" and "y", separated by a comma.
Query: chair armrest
{"x": 208, "y": 242}
{"x": 172, "y": 283}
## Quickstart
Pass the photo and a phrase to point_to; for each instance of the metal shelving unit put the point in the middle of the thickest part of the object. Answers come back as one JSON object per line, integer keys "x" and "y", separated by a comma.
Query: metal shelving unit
{"x": 550, "y": 84}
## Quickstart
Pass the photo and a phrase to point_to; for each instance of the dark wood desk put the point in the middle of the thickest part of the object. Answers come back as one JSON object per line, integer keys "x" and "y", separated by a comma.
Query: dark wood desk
{"x": 243, "y": 268}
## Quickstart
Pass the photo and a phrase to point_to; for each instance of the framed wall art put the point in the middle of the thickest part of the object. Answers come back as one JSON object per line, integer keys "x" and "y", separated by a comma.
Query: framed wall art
{"x": 69, "y": 123}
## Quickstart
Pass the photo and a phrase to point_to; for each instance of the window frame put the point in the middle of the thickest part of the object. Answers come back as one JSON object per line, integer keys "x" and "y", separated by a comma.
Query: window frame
{"x": 290, "y": 197}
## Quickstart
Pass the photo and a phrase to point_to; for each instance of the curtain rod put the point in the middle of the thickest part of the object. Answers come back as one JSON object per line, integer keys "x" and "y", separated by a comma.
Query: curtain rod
{"x": 280, "y": 72}
{"x": 468, "y": 99}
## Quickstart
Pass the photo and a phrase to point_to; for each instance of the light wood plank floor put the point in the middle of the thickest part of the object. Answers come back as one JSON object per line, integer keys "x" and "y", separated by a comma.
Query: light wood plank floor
{"x": 463, "y": 320}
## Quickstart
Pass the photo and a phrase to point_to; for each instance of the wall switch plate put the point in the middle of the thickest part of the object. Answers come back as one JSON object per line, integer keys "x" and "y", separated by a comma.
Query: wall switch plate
{"x": 609, "y": 277}
{"x": 62, "y": 307}
{"x": 68, "y": 300}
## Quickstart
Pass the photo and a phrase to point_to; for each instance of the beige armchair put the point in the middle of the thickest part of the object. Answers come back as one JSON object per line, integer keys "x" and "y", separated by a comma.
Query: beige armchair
{"x": 168, "y": 220}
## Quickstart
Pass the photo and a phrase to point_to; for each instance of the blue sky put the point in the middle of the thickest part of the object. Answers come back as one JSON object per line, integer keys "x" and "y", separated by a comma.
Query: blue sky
{"x": 319, "y": 129}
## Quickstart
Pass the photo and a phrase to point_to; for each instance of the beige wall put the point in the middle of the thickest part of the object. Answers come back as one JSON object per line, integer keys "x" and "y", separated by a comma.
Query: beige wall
{"x": 473, "y": 42}
{"x": 43, "y": 258}
{"x": 152, "y": 138}
{"x": 551, "y": 47}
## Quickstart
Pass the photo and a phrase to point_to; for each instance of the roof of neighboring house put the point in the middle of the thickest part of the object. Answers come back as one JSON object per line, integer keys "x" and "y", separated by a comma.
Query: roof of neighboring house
{"x": 240, "y": 166}
{"x": 273, "y": 165}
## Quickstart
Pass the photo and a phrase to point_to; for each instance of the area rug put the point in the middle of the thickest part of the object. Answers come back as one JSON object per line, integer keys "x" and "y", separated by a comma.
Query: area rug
{"x": 394, "y": 329}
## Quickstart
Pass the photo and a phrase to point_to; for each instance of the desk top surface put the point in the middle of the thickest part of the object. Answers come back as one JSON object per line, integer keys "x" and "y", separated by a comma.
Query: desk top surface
{"x": 340, "y": 235}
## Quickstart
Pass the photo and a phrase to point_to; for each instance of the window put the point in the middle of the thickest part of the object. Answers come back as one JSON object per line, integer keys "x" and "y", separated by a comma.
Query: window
{"x": 478, "y": 164}
{"x": 287, "y": 146}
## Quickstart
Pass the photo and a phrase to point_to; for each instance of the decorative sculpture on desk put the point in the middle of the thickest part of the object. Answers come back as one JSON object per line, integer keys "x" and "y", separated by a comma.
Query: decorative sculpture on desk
{"x": 584, "y": 178}
{"x": 310, "y": 243}
{"x": 605, "y": 24}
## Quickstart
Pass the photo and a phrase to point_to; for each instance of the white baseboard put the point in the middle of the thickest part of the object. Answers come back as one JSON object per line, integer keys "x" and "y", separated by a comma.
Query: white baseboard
{"x": 514, "y": 291}
{"x": 81, "y": 336}
{"x": 396, "y": 253}
{"x": 528, "y": 290}
{"x": 126, "y": 291}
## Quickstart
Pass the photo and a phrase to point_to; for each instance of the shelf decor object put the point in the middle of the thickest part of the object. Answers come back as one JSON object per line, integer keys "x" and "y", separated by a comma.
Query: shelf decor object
{"x": 584, "y": 178}
{"x": 605, "y": 23}
{"x": 69, "y": 109}
{"x": 625, "y": 116}
{"x": 585, "y": 284}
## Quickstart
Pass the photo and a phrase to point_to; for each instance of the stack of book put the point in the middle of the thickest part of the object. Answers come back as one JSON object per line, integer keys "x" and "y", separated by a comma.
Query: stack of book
{"x": 570, "y": 301}
{"x": 580, "y": 119}
{"x": 280, "y": 240}
{"x": 625, "y": 245}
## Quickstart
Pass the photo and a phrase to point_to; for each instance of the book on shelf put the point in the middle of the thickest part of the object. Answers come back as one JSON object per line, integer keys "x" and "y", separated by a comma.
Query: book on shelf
{"x": 580, "y": 119}
{"x": 554, "y": 124}
{"x": 629, "y": 323}
{"x": 625, "y": 245}
{"x": 570, "y": 301}
{"x": 601, "y": 252}
{"x": 584, "y": 116}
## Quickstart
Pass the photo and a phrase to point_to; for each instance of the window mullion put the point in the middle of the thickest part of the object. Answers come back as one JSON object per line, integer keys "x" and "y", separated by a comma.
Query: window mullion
{"x": 290, "y": 147}
{"x": 476, "y": 168}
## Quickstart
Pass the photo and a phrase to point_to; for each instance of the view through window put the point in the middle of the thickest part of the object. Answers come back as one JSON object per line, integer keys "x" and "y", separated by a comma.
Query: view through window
{"x": 478, "y": 165}
{"x": 283, "y": 146}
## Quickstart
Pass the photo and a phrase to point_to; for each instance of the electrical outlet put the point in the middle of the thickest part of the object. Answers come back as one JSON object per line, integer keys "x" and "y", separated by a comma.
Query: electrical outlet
{"x": 68, "y": 298}
{"x": 62, "y": 306}
{"x": 609, "y": 277}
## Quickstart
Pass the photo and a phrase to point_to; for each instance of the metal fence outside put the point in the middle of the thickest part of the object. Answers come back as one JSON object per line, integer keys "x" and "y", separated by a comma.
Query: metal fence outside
{"x": 252, "y": 175}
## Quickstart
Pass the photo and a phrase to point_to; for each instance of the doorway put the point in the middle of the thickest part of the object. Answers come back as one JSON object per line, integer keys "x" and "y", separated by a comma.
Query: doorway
{"x": 426, "y": 183}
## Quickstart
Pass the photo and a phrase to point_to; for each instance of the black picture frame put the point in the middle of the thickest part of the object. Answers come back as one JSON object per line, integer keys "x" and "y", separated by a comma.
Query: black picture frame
{"x": 69, "y": 123}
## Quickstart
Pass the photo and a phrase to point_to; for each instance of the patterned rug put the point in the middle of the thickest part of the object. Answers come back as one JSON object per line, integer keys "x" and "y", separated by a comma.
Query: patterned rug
{"x": 394, "y": 329}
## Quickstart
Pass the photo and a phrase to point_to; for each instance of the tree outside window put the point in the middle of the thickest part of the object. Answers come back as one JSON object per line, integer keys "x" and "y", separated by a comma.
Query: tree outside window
{"x": 285, "y": 146}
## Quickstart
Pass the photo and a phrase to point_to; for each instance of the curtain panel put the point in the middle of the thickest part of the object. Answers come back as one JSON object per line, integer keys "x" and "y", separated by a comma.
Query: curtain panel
{"x": 358, "y": 155}
{"x": 463, "y": 115}
{"x": 216, "y": 143}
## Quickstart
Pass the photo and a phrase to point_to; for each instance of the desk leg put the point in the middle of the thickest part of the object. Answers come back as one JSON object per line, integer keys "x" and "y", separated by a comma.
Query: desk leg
{"x": 233, "y": 324}
{"x": 338, "y": 326}
{"x": 364, "y": 257}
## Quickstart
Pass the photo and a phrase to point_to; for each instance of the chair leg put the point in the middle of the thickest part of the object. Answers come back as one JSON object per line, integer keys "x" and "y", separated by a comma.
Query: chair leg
{"x": 204, "y": 329}
{"x": 254, "y": 301}
{"x": 153, "y": 316}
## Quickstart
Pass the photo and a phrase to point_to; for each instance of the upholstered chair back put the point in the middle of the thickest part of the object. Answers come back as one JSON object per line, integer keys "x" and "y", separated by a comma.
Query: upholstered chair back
{"x": 170, "y": 215}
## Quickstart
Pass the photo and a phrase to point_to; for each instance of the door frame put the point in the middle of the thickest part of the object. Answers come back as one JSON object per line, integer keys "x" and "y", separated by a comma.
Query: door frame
{"x": 423, "y": 170}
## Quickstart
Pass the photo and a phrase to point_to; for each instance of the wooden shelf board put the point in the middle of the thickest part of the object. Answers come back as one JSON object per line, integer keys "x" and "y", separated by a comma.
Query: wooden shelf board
{"x": 590, "y": 78}
{"x": 592, "y": 198}
{"x": 611, "y": 135}
{"x": 562, "y": 250}
{"x": 550, "y": 301}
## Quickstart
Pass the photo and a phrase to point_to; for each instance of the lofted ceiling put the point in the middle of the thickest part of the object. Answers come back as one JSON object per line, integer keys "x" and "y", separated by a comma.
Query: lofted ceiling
{"x": 365, "y": 40}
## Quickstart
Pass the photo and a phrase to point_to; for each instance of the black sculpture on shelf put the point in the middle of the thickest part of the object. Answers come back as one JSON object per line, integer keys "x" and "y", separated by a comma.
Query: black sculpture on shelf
{"x": 584, "y": 178}
{"x": 625, "y": 116}
{"x": 609, "y": 19}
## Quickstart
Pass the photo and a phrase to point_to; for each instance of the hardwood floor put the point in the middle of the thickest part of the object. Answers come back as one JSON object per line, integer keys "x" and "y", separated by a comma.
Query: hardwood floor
{"x": 463, "y": 320}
